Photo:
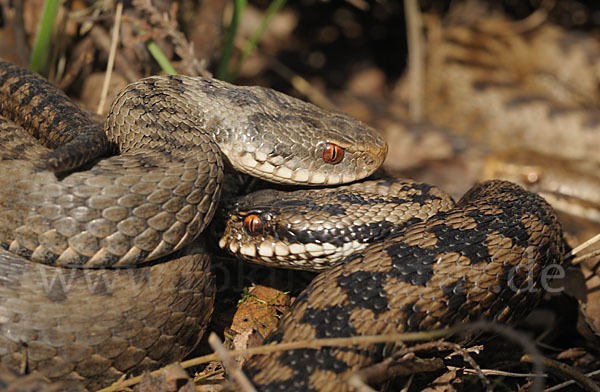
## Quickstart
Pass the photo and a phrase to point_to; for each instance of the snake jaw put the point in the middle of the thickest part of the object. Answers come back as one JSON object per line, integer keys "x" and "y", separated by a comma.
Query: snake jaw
{"x": 364, "y": 163}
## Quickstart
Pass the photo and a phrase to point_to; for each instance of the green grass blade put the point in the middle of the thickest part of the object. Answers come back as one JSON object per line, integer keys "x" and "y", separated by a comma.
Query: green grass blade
{"x": 160, "y": 58}
{"x": 41, "y": 47}
{"x": 158, "y": 54}
{"x": 255, "y": 37}
{"x": 223, "y": 69}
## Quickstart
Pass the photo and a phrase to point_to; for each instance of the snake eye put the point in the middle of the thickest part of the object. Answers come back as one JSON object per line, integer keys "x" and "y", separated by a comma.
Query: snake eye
{"x": 333, "y": 153}
{"x": 253, "y": 224}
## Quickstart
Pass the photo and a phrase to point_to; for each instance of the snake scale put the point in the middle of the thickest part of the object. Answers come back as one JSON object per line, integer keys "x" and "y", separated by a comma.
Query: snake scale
{"x": 440, "y": 264}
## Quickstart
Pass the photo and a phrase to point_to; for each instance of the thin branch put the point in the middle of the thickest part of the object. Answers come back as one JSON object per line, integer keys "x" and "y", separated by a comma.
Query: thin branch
{"x": 585, "y": 257}
{"x": 414, "y": 27}
{"x": 570, "y": 382}
{"x": 581, "y": 247}
{"x": 567, "y": 371}
{"x": 301, "y": 85}
{"x": 111, "y": 57}
{"x": 229, "y": 364}
{"x": 494, "y": 372}
{"x": 314, "y": 344}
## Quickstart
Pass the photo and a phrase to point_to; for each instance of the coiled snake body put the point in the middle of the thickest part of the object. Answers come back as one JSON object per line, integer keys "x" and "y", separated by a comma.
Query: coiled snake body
{"x": 487, "y": 257}
{"x": 73, "y": 321}
{"x": 482, "y": 258}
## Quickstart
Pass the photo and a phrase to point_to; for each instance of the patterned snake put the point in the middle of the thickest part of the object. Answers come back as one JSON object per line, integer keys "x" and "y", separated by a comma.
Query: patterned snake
{"x": 440, "y": 263}
{"x": 86, "y": 291}
{"x": 483, "y": 258}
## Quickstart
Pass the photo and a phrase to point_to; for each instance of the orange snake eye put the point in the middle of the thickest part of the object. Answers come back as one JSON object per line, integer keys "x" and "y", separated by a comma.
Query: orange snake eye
{"x": 253, "y": 224}
{"x": 333, "y": 153}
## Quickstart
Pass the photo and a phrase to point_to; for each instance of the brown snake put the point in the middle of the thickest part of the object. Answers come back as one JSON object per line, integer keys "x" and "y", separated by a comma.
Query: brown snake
{"x": 486, "y": 257}
{"x": 87, "y": 326}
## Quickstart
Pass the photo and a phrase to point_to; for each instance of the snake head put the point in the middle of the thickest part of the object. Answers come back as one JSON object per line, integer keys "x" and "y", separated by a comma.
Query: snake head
{"x": 287, "y": 141}
{"x": 281, "y": 229}
{"x": 313, "y": 229}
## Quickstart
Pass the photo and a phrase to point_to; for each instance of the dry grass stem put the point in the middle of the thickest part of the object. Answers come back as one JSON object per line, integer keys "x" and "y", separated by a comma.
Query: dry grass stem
{"x": 111, "y": 57}
{"x": 585, "y": 257}
{"x": 570, "y": 382}
{"x": 583, "y": 246}
{"x": 416, "y": 60}
{"x": 229, "y": 364}
{"x": 356, "y": 382}
{"x": 494, "y": 372}
{"x": 528, "y": 345}
{"x": 568, "y": 371}
{"x": 314, "y": 344}
{"x": 390, "y": 368}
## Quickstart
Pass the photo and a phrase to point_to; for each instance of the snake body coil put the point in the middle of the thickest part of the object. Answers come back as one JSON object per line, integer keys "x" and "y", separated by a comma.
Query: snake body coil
{"x": 103, "y": 298}
{"x": 488, "y": 257}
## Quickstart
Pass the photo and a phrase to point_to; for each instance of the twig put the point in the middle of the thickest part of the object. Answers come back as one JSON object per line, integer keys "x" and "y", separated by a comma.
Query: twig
{"x": 229, "y": 364}
{"x": 408, "y": 383}
{"x": 356, "y": 381}
{"x": 585, "y": 257}
{"x": 103, "y": 42}
{"x": 18, "y": 25}
{"x": 536, "y": 18}
{"x": 208, "y": 375}
{"x": 314, "y": 344}
{"x": 581, "y": 247}
{"x": 469, "y": 359}
{"x": 414, "y": 27}
{"x": 569, "y": 382}
{"x": 362, "y": 5}
{"x": 522, "y": 339}
{"x": 566, "y": 370}
{"x": 463, "y": 352}
{"x": 397, "y": 367}
{"x": 335, "y": 342}
{"x": 494, "y": 372}
{"x": 111, "y": 57}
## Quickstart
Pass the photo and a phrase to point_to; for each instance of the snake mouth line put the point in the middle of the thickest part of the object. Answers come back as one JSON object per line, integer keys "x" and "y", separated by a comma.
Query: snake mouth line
{"x": 285, "y": 175}
{"x": 310, "y": 256}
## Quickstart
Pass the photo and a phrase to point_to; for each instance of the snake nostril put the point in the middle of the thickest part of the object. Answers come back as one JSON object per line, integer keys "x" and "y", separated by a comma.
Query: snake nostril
{"x": 333, "y": 153}
{"x": 253, "y": 224}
